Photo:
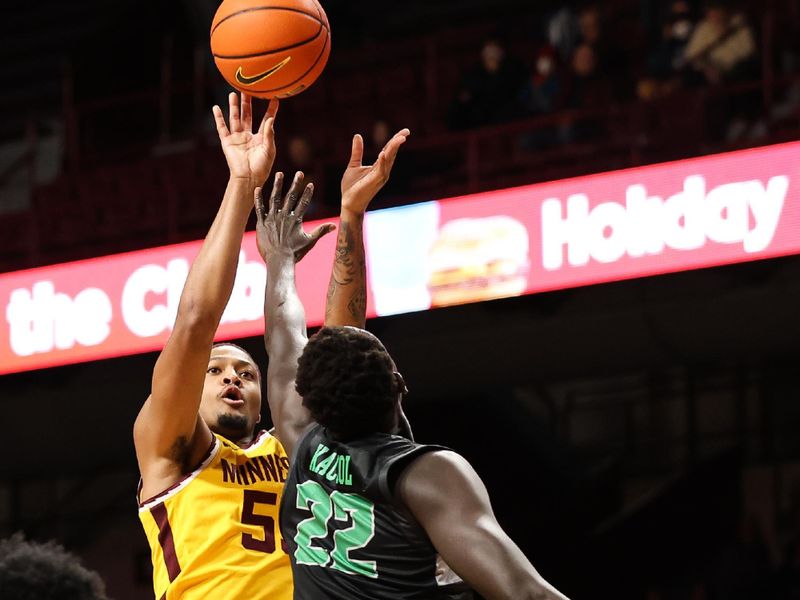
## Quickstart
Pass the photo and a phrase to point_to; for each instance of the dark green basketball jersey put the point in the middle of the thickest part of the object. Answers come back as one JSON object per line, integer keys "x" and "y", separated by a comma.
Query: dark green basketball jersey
{"x": 348, "y": 537}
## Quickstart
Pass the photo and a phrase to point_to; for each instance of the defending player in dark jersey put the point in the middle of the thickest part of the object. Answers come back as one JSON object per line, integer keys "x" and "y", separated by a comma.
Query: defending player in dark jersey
{"x": 365, "y": 511}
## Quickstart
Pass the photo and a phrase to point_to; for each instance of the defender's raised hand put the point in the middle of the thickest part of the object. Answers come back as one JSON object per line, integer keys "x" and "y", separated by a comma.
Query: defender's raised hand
{"x": 361, "y": 182}
{"x": 279, "y": 229}
{"x": 250, "y": 155}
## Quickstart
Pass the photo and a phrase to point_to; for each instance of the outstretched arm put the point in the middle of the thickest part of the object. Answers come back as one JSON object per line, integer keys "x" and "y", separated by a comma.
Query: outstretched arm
{"x": 347, "y": 291}
{"x": 450, "y": 501}
{"x": 281, "y": 243}
{"x": 169, "y": 435}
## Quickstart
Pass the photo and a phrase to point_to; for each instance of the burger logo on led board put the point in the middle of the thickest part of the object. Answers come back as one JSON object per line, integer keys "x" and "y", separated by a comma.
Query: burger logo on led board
{"x": 478, "y": 259}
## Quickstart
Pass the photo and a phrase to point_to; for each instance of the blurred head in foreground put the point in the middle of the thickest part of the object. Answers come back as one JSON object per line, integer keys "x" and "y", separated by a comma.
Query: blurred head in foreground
{"x": 33, "y": 571}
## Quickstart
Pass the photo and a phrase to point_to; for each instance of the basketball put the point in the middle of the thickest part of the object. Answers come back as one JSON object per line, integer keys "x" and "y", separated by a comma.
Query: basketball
{"x": 270, "y": 48}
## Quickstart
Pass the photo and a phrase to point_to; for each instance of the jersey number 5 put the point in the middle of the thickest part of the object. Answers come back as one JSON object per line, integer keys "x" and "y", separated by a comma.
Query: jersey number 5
{"x": 267, "y": 523}
{"x": 311, "y": 496}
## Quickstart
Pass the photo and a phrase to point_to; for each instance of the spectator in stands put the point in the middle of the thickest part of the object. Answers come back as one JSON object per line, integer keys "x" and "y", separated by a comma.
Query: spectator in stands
{"x": 489, "y": 93}
{"x": 562, "y": 31}
{"x": 721, "y": 50}
{"x": 566, "y": 30}
{"x": 722, "y": 47}
{"x": 611, "y": 54}
{"x": 29, "y": 570}
{"x": 667, "y": 58}
{"x": 585, "y": 88}
{"x": 542, "y": 93}
{"x": 589, "y": 26}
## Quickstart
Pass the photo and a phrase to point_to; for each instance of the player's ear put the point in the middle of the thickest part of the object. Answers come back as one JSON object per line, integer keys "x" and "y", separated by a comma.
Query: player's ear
{"x": 401, "y": 384}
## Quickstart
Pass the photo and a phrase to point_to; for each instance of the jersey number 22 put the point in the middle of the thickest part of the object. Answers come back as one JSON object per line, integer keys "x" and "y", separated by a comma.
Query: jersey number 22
{"x": 311, "y": 496}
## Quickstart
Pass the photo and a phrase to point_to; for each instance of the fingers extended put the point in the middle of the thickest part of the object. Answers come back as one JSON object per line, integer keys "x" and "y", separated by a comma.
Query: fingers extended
{"x": 300, "y": 211}
{"x": 272, "y": 112}
{"x": 290, "y": 201}
{"x": 398, "y": 139}
{"x": 233, "y": 113}
{"x": 272, "y": 108}
{"x": 219, "y": 119}
{"x": 389, "y": 152}
{"x": 259, "y": 202}
{"x": 277, "y": 189}
{"x": 268, "y": 133}
{"x": 357, "y": 151}
{"x": 247, "y": 112}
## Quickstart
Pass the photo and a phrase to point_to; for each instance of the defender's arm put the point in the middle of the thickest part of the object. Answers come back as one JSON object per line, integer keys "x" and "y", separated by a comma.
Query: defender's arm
{"x": 450, "y": 501}
{"x": 282, "y": 242}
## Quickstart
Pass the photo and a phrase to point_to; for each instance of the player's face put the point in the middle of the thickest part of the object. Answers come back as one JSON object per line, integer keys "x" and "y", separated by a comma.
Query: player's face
{"x": 231, "y": 403}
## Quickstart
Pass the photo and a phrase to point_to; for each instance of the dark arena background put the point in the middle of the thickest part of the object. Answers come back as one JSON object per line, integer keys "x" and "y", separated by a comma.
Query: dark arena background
{"x": 634, "y": 410}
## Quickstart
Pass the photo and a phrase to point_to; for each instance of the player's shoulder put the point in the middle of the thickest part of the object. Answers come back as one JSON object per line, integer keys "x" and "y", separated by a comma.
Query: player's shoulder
{"x": 265, "y": 442}
{"x": 438, "y": 480}
{"x": 434, "y": 473}
{"x": 439, "y": 462}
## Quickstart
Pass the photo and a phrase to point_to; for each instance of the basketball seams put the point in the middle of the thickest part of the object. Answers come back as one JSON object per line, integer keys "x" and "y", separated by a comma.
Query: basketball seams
{"x": 276, "y": 50}
{"x": 228, "y": 40}
{"x": 301, "y": 77}
{"x": 318, "y": 6}
{"x": 311, "y": 68}
{"x": 317, "y": 17}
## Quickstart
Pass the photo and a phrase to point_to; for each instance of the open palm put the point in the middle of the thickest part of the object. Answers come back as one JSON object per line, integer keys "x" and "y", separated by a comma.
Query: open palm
{"x": 249, "y": 155}
{"x": 360, "y": 183}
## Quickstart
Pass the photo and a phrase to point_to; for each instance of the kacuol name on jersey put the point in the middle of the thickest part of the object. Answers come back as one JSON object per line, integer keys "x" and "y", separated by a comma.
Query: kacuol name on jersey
{"x": 745, "y": 212}
{"x": 260, "y": 468}
{"x": 334, "y": 466}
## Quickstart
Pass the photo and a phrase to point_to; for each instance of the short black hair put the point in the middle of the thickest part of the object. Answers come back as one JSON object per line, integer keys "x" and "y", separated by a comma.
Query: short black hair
{"x": 34, "y": 571}
{"x": 348, "y": 383}
{"x": 232, "y": 345}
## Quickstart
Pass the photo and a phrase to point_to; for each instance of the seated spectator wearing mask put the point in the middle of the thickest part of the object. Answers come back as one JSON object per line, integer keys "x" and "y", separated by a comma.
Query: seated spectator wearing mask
{"x": 543, "y": 91}
{"x": 541, "y": 96}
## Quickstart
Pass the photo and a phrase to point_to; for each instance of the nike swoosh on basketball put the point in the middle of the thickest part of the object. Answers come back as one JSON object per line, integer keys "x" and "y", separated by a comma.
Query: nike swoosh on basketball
{"x": 245, "y": 80}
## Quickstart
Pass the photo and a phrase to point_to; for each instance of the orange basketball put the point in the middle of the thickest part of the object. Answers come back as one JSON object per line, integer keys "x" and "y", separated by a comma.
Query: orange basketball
{"x": 270, "y": 48}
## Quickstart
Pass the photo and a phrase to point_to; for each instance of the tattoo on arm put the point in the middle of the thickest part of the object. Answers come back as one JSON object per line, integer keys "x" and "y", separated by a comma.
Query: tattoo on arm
{"x": 329, "y": 298}
{"x": 358, "y": 303}
{"x": 348, "y": 269}
{"x": 344, "y": 268}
